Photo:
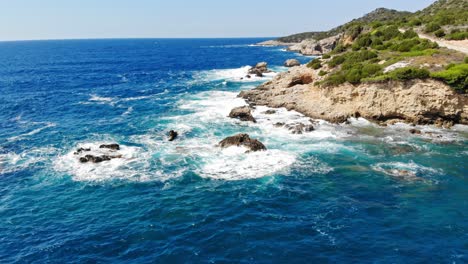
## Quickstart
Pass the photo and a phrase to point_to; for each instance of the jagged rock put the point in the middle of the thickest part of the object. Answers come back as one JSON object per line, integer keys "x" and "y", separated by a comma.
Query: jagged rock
{"x": 248, "y": 76}
{"x": 269, "y": 112}
{"x": 242, "y": 113}
{"x": 279, "y": 124}
{"x": 300, "y": 128}
{"x": 110, "y": 146}
{"x": 80, "y": 150}
{"x": 242, "y": 140}
{"x": 172, "y": 135}
{"x": 314, "y": 47}
{"x": 292, "y": 63}
{"x": 300, "y": 80}
{"x": 415, "y": 131}
{"x": 259, "y": 69}
{"x": 98, "y": 159}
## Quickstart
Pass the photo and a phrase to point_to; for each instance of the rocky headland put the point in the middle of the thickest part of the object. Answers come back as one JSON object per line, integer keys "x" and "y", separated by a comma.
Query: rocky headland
{"x": 415, "y": 101}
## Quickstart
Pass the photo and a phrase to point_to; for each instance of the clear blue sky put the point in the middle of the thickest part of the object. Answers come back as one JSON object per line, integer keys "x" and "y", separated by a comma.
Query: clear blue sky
{"x": 64, "y": 19}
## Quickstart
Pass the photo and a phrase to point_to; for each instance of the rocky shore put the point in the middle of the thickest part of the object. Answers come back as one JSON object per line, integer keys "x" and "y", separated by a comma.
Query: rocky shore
{"x": 417, "y": 102}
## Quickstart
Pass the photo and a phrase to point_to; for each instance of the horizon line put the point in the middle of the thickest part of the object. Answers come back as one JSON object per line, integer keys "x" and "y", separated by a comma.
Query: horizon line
{"x": 130, "y": 38}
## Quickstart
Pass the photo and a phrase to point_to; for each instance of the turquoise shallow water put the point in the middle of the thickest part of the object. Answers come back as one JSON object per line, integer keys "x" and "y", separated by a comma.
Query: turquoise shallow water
{"x": 342, "y": 193}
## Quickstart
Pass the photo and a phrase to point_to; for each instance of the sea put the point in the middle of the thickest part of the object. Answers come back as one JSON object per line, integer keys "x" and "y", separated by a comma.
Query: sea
{"x": 343, "y": 193}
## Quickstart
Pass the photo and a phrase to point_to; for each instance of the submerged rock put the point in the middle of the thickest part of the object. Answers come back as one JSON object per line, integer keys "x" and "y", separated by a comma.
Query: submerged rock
{"x": 80, "y": 150}
{"x": 110, "y": 146}
{"x": 292, "y": 63}
{"x": 269, "y": 112}
{"x": 300, "y": 128}
{"x": 242, "y": 113}
{"x": 415, "y": 131}
{"x": 98, "y": 159}
{"x": 173, "y": 135}
{"x": 242, "y": 140}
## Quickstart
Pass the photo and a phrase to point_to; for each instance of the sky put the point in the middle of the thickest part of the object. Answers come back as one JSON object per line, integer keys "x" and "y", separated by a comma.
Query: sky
{"x": 77, "y": 19}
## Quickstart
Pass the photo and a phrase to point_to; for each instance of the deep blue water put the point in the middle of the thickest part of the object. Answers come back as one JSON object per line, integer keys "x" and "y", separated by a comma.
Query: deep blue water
{"x": 332, "y": 195}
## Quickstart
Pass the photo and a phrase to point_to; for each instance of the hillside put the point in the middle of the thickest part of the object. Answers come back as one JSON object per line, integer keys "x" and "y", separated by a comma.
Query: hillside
{"x": 380, "y": 14}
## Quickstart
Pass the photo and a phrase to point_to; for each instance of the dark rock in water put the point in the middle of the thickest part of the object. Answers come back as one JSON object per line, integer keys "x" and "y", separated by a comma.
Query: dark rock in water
{"x": 242, "y": 113}
{"x": 248, "y": 76}
{"x": 292, "y": 63}
{"x": 98, "y": 159}
{"x": 110, "y": 146}
{"x": 300, "y": 128}
{"x": 270, "y": 112}
{"x": 242, "y": 140}
{"x": 80, "y": 150}
{"x": 259, "y": 69}
{"x": 173, "y": 135}
{"x": 279, "y": 124}
{"x": 415, "y": 131}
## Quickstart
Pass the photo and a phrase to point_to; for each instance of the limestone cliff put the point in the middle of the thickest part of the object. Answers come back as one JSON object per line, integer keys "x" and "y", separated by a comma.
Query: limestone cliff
{"x": 417, "y": 101}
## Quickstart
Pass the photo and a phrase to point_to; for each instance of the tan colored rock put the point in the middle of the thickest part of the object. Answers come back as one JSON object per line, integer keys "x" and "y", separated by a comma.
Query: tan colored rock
{"x": 417, "y": 101}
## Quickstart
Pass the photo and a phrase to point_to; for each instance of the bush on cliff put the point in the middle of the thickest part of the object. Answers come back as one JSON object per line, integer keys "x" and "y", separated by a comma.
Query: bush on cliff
{"x": 409, "y": 73}
{"x": 431, "y": 27}
{"x": 454, "y": 75}
{"x": 315, "y": 64}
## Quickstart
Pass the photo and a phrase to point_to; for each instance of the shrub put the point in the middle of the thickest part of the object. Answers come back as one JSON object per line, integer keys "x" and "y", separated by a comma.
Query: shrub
{"x": 457, "y": 36}
{"x": 431, "y": 27}
{"x": 439, "y": 33}
{"x": 335, "y": 79}
{"x": 415, "y": 22}
{"x": 406, "y": 45}
{"x": 390, "y": 32}
{"x": 322, "y": 73}
{"x": 337, "y": 60}
{"x": 326, "y": 56}
{"x": 355, "y": 31}
{"x": 409, "y": 73}
{"x": 409, "y": 34}
{"x": 456, "y": 76}
{"x": 371, "y": 69}
{"x": 466, "y": 60}
{"x": 354, "y": 76}
{"x": 339, "y": 49}
{"x": 363, "y": 41}
{"x": 315, "y": 64}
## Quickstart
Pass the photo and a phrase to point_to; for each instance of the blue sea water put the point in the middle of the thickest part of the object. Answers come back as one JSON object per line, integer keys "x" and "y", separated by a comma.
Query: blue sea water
{"x": 342, "y": 193}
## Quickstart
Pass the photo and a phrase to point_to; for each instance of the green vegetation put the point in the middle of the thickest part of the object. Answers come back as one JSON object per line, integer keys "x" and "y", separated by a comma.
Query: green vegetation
{"x": 457, "y": 34}
{"x": 315, "y": 64}
{"x": 322, "y": 73}
{"x": 455, "y": 75}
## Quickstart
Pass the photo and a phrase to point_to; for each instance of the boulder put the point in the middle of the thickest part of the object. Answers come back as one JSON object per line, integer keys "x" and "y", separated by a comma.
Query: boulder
{"x": 242, "y": 140}
{"x": 259, "y": 69}
{"x": 415, "y": 131}
{"x": 292, "y": 63}
{"x": 110, "y": 146}
{"x": 269, "y": 112}
{"x": 300, "y": 80}
{"x": 172, "y": 135}
{"x": 242, "y": 113}
{"x": 98, "y": 159}
{"x": 80, "y": 150}
{"x": 300, "y": 128}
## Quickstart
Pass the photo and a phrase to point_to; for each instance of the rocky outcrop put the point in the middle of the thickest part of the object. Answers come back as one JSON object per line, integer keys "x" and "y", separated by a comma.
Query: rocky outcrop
{"x": 270, "y": 43}
{"x": 292, "y": 63}
{"x": 172, "y": 135}
{"x": 314, "y": 47}
{"x": 110, "y": 146}
{"x": 98, "y": 159}
{"x": 243, "y": 113}
{"x": 417, "y": 101}
{"x": 242, "y": 140}
{"x": 259, "y": 69}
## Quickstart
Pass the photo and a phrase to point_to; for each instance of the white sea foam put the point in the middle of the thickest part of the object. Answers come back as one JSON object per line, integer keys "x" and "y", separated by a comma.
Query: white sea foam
{"x": 406, "y": 171}
{"x": 233, "y": 75}
{"x": 32, "y": 132}
{"x": 12, "y": 162}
